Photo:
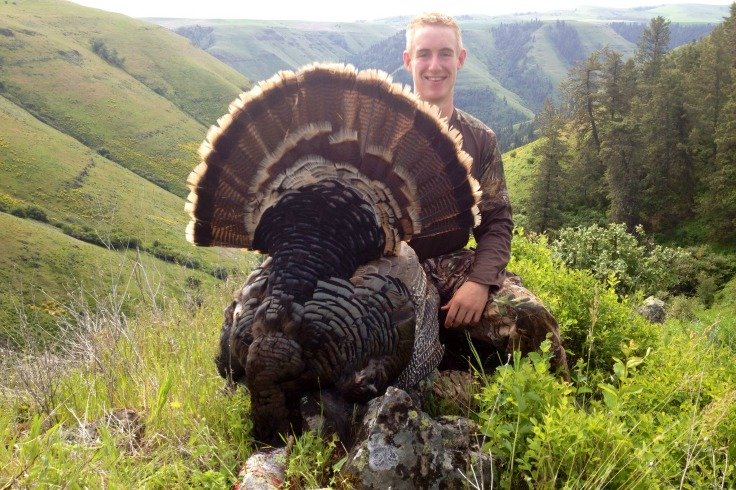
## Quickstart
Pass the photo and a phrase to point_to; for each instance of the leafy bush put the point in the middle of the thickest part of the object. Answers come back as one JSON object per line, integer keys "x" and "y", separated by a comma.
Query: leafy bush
{"x": 617, "y": 257}
{"x": 114, "y": 240}
{"x": 594, "y": 322}
{"x": 110, "y": 55}
{"x": 509, "y": 403}
{"x": 30, "y": 211}
{"x": 163, "y": 252}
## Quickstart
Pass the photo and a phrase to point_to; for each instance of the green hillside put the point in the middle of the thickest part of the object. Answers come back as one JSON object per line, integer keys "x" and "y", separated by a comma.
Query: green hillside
{"x": 684, "y": 13}
{"x": 143, "y": 107}
{"x": 79, "y": 190}
{"x": 41, "y": 270}
{"x": 549, "y": 55}
{"x": 259, "y": 49}
{"x": 100, "y": 120}
{"x": 515, "y": 62}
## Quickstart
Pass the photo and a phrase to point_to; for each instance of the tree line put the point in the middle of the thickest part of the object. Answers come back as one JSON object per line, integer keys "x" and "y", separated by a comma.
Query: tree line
{"x": 649, "y": 140}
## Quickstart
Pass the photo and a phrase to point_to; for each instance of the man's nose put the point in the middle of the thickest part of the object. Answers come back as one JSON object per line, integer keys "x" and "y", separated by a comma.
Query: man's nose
{"x": 434, "y": 61}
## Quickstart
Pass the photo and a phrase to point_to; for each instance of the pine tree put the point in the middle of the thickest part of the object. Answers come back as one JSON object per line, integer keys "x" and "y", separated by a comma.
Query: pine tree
{"x": 621, "y": 151}
{"x": 668, "y": 195}
{"x": 717, "y": 204}
{"x": 547, "y": 193}
{"x": 582, "y": 94}
{"x": 652, "y": 47}
{"x": 618, "y": 85}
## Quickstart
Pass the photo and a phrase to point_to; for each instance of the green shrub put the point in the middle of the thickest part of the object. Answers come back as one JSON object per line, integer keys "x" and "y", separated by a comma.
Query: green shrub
{"x": 110, "y": 55}
{"x": 617, "y": 257}
{"x": 510, "y": 403}
{"x": 30, "y": 211}
{"x": 706, "y": 289}
{"x": 163, "y": 252}
{"x": 594, "y": 322}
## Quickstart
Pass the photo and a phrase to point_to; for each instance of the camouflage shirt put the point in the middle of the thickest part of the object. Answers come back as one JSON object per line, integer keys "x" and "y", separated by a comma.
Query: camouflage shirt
{"x": 493, "y": 235}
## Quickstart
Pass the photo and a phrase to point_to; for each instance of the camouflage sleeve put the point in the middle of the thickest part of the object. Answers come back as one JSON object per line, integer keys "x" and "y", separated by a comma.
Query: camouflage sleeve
{"x": 493, "y": 235}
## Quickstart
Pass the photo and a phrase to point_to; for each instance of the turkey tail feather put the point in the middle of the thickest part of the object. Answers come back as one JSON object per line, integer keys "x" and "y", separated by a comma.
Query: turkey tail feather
{"x": 331, "y": 122}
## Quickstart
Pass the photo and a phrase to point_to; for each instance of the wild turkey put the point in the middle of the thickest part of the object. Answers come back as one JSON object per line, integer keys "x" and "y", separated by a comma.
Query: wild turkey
{"x": 328, "y": 171}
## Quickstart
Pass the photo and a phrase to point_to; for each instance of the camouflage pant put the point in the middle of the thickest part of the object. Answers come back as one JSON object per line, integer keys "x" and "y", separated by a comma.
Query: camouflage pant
{"x": 514, "y": 319}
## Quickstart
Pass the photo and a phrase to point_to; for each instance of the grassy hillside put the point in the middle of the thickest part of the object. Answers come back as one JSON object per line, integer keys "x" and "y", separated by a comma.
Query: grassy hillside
{"x": 77, "y": 189}
{"x": 546, "y": 53}
{"x": 519, "y": 166}
{"x": 116, "y": 106}
{"x": 259, "y": 49}
{"x": 100, "y": 119}
{"x": 42, "y": 271}
{"x": 511, "y": 68}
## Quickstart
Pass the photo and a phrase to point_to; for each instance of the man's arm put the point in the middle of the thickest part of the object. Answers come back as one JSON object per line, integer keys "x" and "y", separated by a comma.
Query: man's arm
{"x": 493, "y": 238}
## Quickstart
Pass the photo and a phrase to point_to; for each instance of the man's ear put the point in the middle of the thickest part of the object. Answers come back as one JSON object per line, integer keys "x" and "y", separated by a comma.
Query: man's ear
{"x": 461, "y": 58}
{"x": 407, "y": 61}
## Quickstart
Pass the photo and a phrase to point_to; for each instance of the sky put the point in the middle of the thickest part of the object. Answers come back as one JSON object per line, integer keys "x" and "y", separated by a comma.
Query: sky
{"x": 347, "y": 11}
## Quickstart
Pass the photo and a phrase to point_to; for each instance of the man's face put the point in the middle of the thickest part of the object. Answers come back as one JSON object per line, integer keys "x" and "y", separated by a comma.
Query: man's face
{"x": 433, "y": 62}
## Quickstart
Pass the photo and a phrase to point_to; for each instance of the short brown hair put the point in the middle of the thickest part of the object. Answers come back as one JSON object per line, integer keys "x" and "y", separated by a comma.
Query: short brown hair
{"x": 432, "y": 19}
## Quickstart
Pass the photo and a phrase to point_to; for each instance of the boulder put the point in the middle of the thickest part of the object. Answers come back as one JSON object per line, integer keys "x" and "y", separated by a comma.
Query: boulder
{"x": 401, "y": 447}
{"x": 652, "y": 309}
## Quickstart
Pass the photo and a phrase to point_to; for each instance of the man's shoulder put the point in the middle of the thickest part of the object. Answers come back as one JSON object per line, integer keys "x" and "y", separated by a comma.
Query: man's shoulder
{"x": 472, "y": 122}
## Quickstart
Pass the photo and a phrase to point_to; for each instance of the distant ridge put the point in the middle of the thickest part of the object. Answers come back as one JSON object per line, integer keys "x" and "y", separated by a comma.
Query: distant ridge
{"x": 515, "y": 62}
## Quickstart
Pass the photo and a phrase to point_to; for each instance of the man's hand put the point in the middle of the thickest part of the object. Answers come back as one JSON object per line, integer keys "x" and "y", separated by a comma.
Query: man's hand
{"x": 466, "y": 305}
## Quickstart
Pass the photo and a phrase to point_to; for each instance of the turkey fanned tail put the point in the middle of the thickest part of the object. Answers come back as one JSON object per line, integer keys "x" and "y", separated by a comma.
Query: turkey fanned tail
{"x": 326, "y": 170}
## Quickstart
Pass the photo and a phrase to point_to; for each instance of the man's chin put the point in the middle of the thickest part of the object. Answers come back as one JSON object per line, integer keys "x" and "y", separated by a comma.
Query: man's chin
{"x": 432, "y": 98}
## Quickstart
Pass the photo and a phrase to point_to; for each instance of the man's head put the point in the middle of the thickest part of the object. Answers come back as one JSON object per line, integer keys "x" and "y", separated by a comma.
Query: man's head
{"x": 434, "y": 53}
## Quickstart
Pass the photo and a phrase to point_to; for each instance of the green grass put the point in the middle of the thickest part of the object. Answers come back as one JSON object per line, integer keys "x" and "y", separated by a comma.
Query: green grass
{"x": 119, "y": 111}
{"x": 660, "y": 415}
{"x": 158, "y": 366}
{"x": 41, "y": 269}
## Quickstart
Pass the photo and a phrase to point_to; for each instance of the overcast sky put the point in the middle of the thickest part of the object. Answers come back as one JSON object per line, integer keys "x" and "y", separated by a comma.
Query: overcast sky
{"x": 345, "y": 11}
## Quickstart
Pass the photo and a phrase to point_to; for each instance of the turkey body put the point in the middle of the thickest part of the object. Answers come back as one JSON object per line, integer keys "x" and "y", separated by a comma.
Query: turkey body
{"x": 328, "y": 171}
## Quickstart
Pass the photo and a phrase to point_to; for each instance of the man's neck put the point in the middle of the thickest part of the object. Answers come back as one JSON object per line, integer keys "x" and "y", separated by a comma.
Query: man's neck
{"x": 447, "y": 109}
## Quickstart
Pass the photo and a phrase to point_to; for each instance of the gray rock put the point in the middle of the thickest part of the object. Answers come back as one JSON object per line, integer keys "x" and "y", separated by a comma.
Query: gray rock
{"x": 652, "y": 309}
{"x": 264, "y": 470}
{"x": 401, "y": 447}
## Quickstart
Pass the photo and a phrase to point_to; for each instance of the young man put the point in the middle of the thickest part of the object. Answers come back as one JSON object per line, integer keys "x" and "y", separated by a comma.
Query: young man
{"x": 468, "y": 279}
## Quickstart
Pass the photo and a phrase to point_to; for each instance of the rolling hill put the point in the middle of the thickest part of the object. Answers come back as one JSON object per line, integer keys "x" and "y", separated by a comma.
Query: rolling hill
{"x": 101, "y": 116}
{"x": 514, "y": 63}
{"x": 100, "y": 119}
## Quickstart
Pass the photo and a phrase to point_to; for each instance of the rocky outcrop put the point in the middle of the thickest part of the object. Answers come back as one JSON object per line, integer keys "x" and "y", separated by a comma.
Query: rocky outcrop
{"x": 401, "y": 447}
{"x": 652, "y": 309}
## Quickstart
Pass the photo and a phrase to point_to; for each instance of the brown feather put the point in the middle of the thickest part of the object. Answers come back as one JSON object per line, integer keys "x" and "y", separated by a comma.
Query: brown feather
{"x": 323, "y": 122}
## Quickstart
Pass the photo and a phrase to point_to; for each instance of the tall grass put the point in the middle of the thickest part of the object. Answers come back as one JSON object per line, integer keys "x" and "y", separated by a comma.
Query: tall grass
{"x": 132, "y": 399}
{"x": 123, "y": 400}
